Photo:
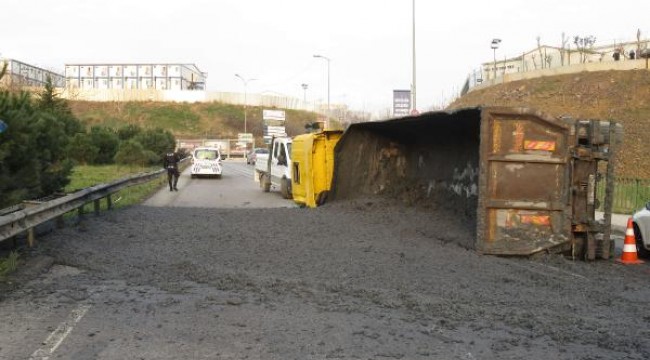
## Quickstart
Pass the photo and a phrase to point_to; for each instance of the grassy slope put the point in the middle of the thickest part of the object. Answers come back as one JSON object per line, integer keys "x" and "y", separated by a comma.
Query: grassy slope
{"x": 86, "y": 176}
{"x": 623, "y": 96}
{"x": 216, "y": 120}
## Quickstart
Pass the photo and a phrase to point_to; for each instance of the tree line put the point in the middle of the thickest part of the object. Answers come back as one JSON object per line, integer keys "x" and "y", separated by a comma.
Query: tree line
{"x": 43, "y": 141}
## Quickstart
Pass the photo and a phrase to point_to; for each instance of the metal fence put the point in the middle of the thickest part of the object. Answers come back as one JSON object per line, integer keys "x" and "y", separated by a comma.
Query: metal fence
{"x": 629, "y": 194}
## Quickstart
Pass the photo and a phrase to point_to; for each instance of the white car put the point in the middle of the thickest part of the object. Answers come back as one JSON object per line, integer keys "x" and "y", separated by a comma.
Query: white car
{"x": 206, "y": 161}
{"x": 641, "y": 221}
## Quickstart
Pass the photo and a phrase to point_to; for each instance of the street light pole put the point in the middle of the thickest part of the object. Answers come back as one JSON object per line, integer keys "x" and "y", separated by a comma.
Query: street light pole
{"x": 328, "y": 80}
{"x": 304, "y": 96}
{"x": 495, "y": 46}
{"x": 245, "y": 81}
{"x": 414, "y": 103}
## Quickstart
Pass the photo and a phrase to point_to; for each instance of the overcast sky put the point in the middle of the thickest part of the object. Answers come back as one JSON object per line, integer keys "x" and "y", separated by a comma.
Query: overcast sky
{"x": 368, "y": 42}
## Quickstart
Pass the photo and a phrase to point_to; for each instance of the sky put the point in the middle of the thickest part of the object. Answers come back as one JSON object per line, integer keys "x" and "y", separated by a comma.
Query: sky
{"x": 369, "y": 43}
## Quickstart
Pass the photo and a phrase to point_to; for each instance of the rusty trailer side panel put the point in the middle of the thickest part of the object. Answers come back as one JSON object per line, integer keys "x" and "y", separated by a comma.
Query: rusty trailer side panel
{"x": 524, "y": 204}
{"x": 512, "y": 173}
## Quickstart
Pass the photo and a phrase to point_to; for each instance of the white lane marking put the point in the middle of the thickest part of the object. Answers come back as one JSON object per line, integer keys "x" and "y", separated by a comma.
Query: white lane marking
{"x": 60, "y": 333}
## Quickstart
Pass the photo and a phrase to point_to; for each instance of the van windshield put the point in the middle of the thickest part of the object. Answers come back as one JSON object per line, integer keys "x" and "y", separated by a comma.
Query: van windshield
{"x": 206, "y": 154}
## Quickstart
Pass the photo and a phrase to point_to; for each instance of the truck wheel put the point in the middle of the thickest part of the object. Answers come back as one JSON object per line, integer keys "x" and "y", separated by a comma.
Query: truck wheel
{"x": 285, "y": 188}
{"x": 265, "y": 183}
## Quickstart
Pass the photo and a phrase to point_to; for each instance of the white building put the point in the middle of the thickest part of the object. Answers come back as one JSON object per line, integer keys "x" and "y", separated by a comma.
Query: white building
{"x": 23, "y": 74}
{"x": 135, "y": 76}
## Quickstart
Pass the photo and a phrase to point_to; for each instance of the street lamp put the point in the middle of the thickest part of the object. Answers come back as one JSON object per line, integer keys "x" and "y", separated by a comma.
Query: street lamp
{"x": 328, "y": 80}
{"x": 304, "y": 96}
{"x": 245, "y": 81}
{"x": 495, "y": 46}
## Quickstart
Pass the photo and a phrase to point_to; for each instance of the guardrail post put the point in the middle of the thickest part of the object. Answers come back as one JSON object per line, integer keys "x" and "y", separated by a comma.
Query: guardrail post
{"x": 31, "y": 237}
{"x": 80, "y": 212}
{"x": 109, "y": 202}
{"x": 96, "y": 207}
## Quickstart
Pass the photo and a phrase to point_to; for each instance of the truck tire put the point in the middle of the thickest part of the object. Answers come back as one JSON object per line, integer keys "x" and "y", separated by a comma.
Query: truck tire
{"x": 285, "y": 188}
{"x": 265, "y": 183}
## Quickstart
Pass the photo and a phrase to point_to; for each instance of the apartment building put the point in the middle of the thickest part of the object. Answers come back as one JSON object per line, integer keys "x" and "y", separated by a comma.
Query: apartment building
{"x": 23, "y": 74}
{"x": 135, "y": 76}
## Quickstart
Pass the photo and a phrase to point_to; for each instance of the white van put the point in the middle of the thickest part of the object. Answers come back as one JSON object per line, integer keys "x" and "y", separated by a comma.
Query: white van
{"x": 206, "y": 161}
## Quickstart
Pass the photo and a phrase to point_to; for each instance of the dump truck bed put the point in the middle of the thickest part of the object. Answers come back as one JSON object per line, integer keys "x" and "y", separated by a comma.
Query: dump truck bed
{"x": 509, "y": 172}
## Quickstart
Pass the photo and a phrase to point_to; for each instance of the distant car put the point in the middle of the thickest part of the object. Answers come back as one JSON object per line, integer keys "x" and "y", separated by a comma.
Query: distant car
{"x": 206, "y": 161}
{"x": 641, "y": 220}
{"x": 251, "y": 156}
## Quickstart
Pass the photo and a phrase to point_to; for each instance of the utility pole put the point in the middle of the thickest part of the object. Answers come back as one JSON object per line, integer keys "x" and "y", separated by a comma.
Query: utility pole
{"x": 413, "y": 90}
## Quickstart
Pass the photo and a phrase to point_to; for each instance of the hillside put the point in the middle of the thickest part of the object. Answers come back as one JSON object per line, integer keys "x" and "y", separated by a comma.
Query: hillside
{"x": 622, "y": 96}
{"x": 197, "y": 120}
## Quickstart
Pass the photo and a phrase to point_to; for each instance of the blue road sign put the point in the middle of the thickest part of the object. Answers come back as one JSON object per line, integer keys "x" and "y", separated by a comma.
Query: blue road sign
{"x": 3, "y": 126}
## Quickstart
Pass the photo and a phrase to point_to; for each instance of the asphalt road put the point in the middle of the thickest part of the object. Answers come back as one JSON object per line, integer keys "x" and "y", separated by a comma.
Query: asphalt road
{"x": 214, "y": 271}
{"x": 235, "y": 189}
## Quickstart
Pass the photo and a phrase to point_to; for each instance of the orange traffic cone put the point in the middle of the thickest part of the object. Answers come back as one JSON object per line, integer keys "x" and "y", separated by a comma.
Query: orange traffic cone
{"x": 628, "y": 257}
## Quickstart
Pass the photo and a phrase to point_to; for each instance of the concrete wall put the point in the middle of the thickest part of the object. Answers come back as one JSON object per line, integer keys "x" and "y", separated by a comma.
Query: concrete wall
{"x": 563, "y": 70}
{"x": 283, "y": 102}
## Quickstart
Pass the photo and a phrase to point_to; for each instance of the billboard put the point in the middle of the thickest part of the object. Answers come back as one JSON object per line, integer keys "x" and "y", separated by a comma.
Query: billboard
{"x": 401, "y": 103}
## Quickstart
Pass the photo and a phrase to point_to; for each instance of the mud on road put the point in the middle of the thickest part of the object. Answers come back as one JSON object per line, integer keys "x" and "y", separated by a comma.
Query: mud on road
{"x": 361, "y": 279}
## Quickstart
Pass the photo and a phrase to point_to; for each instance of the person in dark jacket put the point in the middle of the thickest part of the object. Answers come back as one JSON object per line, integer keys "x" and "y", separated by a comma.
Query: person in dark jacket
{"x": 171, "y": 164}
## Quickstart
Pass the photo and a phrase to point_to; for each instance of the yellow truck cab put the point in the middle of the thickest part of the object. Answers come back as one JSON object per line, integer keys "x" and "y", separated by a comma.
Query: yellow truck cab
{"x": 312, "y": 166}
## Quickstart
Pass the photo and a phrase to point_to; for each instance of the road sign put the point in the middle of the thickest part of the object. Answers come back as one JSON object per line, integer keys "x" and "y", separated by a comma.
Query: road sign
{"x": 245, "y": 137}
{"x": 3, "y": 126}
{"x": 278, "y": 115}
{"x": 401, "y": 102}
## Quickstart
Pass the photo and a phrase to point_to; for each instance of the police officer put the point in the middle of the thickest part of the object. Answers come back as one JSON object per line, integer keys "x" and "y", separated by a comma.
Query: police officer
{"x": 171, "y": 164}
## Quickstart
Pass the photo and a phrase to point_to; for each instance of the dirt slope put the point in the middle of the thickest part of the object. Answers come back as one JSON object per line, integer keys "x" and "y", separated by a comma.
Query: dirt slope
{"x": 623, "y": 96}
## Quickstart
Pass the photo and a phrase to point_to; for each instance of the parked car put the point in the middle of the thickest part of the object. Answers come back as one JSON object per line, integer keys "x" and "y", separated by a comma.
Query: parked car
{"x": 641, "y": 220}
{"x": 251, "y": 156}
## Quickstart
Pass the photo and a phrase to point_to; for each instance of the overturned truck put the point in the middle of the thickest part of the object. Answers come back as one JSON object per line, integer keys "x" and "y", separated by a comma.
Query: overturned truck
{"x": 525, "y": 181}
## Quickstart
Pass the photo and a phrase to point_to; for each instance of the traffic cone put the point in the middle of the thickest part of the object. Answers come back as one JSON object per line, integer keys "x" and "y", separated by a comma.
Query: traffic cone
{"x": 629, "y": 257}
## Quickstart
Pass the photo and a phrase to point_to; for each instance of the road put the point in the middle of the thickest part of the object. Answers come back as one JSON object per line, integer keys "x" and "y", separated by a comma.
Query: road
{"x": 235, "y": 189}
{"x": 214, "y": 271}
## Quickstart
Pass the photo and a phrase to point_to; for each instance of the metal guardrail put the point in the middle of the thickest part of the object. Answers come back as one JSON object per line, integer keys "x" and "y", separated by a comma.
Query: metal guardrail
{"x": 24, "y": 218}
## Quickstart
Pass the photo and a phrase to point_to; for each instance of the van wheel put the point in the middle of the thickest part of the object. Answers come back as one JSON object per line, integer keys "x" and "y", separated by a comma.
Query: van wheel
{"x": 285, "y": 188}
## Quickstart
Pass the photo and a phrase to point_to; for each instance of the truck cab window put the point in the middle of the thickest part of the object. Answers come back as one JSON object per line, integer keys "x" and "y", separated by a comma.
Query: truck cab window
{"x": 282, "y": 158}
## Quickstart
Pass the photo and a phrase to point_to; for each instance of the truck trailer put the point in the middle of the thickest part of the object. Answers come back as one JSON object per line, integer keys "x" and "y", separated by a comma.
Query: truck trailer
{"x": 524, "y": 181}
